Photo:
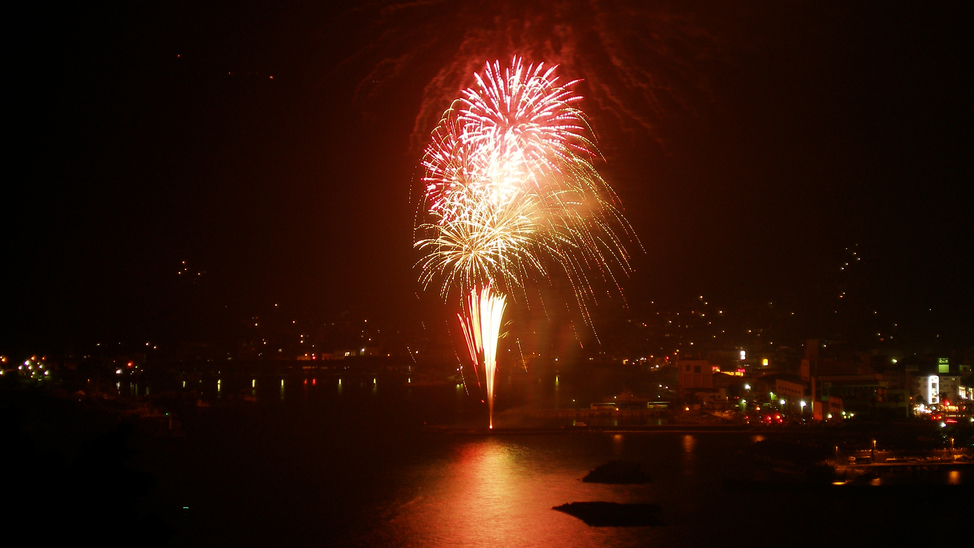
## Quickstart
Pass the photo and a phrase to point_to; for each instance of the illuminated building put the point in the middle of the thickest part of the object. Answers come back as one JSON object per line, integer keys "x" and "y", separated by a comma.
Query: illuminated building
{"x": 694, "y": 374}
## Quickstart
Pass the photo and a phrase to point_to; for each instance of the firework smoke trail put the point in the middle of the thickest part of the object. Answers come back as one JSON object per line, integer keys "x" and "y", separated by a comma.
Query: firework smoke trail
{"x": 512, "y": 196}
{"x": 642, "y": 61}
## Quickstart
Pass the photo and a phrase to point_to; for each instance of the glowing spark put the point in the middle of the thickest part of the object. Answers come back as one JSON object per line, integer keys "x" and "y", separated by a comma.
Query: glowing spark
{"x": 511, "y": 196}
{"x": 481, "y": 328}
{"x": 511, "y": 192}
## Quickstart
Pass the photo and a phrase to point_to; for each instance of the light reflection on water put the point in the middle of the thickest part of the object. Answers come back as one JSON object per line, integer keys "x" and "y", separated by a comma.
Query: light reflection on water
{"x": 363, "y": 488}
{"x": 617, "y": 444}
{"x": 497, "y": 492}
{"x": 349, "y": 476}
{"x": 689, "y": 459}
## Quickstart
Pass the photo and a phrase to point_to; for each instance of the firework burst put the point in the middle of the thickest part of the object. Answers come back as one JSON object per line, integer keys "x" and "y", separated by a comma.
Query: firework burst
{"x": 512, "y": 196}
{"x": 511, "y": 190}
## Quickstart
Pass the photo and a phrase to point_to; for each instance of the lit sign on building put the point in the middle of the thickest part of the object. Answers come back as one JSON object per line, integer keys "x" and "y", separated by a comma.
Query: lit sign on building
{"x": 932, "y": 390}
{"x": 943, "y": 365}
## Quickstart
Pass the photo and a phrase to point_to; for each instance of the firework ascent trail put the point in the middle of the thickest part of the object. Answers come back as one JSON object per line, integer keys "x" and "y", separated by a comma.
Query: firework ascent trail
{"x": 512, "y": 197}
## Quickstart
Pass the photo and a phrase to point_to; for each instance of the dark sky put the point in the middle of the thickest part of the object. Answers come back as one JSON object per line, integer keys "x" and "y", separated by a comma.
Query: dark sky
{"x": 774, "y": 136}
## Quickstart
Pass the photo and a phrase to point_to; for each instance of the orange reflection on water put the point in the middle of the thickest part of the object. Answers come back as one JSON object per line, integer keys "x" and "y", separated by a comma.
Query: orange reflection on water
{"x": 493, "y": 492}
{"x": 617, "y": 444}
{"x": 488, "y": 498}
{"x": 487, "y": 487}
{"x": 689, "y": 458}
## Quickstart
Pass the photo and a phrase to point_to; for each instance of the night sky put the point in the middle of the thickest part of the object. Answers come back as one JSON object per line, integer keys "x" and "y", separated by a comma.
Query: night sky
{"x": 274, "y": 149}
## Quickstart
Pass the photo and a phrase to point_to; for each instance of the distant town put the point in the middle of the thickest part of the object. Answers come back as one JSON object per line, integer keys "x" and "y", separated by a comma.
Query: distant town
{"x": 691, "y": 359}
